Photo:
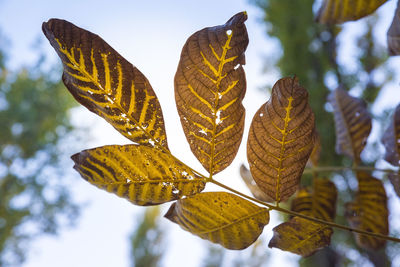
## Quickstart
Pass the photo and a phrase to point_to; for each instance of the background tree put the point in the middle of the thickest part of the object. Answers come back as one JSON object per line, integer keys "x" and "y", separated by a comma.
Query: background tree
{"x": 310, "y": 51}
{"x": 34, "y": 123}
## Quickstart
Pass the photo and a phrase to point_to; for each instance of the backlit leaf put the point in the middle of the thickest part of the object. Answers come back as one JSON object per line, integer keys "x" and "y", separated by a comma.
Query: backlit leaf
{"x": 320, "y": 203}
{"x": 393, "y": 34}
{"x": 252, "y": 186}
{"x": 316, "y": 151}
{"x": 352, "y": 123}
{"x": 281, "y": 139}
{"x": 369, "y": 211}
{"x": 301, "y": 236}
{"x": 143, "y": 175}
{"x": 391, "y": 139}
{"x": 220, "y": 217}
{"x": 104, "y": 82}
{"x": 338, "y": 11}
{"x": 209, "y": 87}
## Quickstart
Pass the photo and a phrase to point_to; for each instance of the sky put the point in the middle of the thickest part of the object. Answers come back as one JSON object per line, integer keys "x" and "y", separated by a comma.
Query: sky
{"x": 150, "y": 34}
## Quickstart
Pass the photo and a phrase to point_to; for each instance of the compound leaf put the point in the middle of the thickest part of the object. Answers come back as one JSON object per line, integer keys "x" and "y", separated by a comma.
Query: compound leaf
{"x": 301, "y": 236}
{"x": 104, "y": 82}
{"x": 209, "y": 87}
{"x": 369, "y": 211}
{"x": 281, "y": 139}
{"x": 320, "y": 203}
{"x": 220, "y": 217}
{"x": 252, "y": 186}
{"x": 391, "y": 139}
{"x": 352, "y": 123}
{"x": 339, "y": 11}
{"x": 143, "y": 175}
{"x": 393, "y": 34}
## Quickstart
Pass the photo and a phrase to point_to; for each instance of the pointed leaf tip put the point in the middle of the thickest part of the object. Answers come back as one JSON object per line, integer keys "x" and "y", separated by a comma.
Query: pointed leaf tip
{"x": 210, "y": 85}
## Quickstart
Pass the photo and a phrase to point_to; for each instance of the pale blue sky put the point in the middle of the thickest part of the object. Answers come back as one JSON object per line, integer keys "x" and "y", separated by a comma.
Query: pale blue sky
{"x": 150, "y": 34}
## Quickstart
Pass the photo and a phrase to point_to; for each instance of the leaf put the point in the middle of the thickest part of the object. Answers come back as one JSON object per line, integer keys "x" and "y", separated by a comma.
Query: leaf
{"x": 252, "y": 186}
{"x": 281, "y": 140}
{"x": 220, "y": 217}
{"x": 393, "y": 34}
{"x": 352, "y": 123}
{"x": 210, "y": 85}
{"x": 369, "y": 211}
{"x": 395, "y": 180}
{"x": 141, "y": 174}
{"x": 320, "y": 204}
{"x": 391, "y": 139}
{"x": 301, "y": 236}
{"x": 104, "y": 82}
{"x": 339, "y": 11}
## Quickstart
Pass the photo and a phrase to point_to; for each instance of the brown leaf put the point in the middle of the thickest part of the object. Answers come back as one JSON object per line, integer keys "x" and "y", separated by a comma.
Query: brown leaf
{"x": 210, "y": 84}
{"x": 143, "y": 175}
{"x": 107, "y": 84}
{"x": 252, "y": 186}
{"x": 220, "y": 217}
{"x": 281, "y": 140}
{"x": 320, "y": 203}
{"x": 391, "y": 139}
{"x": 352, "y": 123}
{"x": 393, "y": 34}
{"x": 369, "y": 211}
{"x": 316, "y": 152}
{"x": 301, "y": 236}
{"x": 339, "y": 11}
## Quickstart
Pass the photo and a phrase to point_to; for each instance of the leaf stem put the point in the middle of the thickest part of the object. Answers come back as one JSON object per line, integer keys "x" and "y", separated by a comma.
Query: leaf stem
{"x": 331, "y": 224}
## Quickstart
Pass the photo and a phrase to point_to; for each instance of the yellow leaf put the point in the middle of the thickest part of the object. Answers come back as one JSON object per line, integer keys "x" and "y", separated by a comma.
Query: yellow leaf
{"x": 352, "y": 123}
{"x": 393, "y": 34}
{"x": 220, "y": 217}
{"x": 339, "y": 11}
{"x": 143, "y": 175}
{"x": 210, "y": 85}
{"x": 107, "y": 84}
{"x": 301, "y": 236}
{"x": 252, "y": 186}
{"x": 281, "y": 139}
{"x": 391, "y": 139}
{"x": 320, "y": 203}
{"x": 369, "y": 211}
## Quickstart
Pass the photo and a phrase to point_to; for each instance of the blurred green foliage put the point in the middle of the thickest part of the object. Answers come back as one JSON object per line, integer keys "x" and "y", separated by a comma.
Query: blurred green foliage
{"x": 34, "y": 122}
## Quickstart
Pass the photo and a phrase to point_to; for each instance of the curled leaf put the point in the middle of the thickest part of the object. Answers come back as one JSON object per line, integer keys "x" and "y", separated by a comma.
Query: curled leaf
{"x": 210, "y": 85}
{"x": 143, "y": 175}
{"x": 320, "y": 203}
{"x": 301, "y": 236}
{"x": 220, "y": 217}
{"x": 281, "y": 140}
{"x": 339, "y": 11}
{"x": 107, "y": 84}
{"x": 352, "y": 123}
{"x": 391, "y": 139}
{"x": 252, "y": 186}
{"x": 369, "y": 211}
{"x": 393, "y": 34}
